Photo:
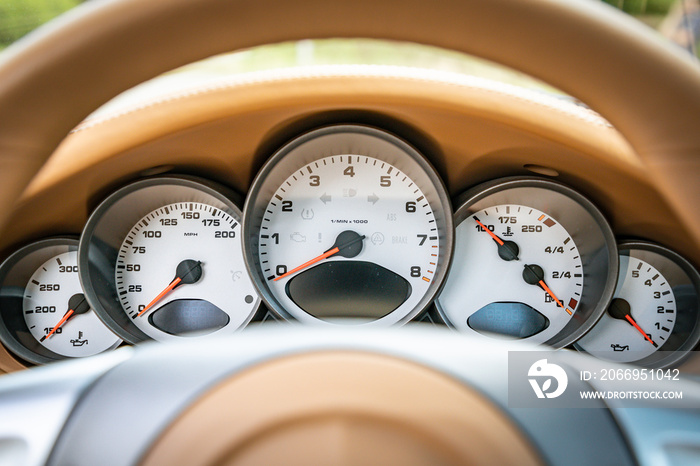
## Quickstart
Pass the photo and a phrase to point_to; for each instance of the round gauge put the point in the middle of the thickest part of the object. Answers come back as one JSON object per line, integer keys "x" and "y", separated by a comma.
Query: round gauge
{"x": 348, "y": 225}
{"x": 161, "y": 259}
{"x": 534, "y": 260}
{"x": 653, "y": 318}
{"x": 45, "y": 314}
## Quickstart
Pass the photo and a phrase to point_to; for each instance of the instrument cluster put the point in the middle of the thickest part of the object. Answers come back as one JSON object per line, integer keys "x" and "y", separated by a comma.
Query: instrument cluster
{"x": 349, "y": 225}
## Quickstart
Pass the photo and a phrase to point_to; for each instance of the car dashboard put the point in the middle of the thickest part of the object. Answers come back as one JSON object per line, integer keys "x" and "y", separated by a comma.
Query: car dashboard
{"x": 557, "y": 170}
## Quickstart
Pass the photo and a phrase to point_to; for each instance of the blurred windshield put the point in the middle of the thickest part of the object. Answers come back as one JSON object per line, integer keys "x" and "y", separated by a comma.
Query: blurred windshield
{"x": 19, "y": 17}
{"x": 677, "y": 20}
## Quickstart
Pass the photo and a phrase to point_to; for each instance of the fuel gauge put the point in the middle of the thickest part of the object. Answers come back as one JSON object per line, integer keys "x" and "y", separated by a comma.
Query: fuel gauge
{"x": 652, "y": 319}
{"x": 534, "y": 260}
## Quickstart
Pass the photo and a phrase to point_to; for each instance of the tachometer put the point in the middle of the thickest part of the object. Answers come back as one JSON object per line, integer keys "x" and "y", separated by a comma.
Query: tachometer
{"x": 162, "y": 259}
{"x": 534, "y": 260}
{"x": 348, "y": 224}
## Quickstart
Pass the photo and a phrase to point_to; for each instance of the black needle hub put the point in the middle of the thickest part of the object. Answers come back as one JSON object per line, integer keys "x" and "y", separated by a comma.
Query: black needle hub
{"x": 188, "y": 271}
{"x": 349, "y": 244}
{"x": 620, "y": 309}
{"x": 533, "y": 274}
{"x": 78, "y": 303}
{"x": 508, "y": 251}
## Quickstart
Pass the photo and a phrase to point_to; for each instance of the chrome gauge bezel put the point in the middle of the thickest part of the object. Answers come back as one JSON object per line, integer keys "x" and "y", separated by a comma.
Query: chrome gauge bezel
{"x": 353, "y": 140}
{"x": 577, "y": 215}
{"x": 685, "y": 334}
{"x": 111, "y": 221}
{"x": 15, "y": 273}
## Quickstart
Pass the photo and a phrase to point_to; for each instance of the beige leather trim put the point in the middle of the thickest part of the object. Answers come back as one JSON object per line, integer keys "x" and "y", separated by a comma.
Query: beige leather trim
{"x": 315, "y": 90}
{"x": 55, "y": 78}
{"x": 341, "y": 408}
{"x": 8, "y": 363}
{"x": 647, "y": 90}
{"x": 461, "y": 82}
{"x": 471, "y": 131}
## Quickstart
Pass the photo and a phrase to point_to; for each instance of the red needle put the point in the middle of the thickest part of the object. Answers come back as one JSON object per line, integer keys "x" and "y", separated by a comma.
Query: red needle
{"x": 347, "y": 242}
{"x": 58, "y": 325}
{"x": 328, "y": 253}
{"x": 493, "y": 235}
{"x": 76, "y": 305}
{"x": 534, "y": 275}
{"x": 550, "y": 293}
{"x": 160, "y": 296}
{"x": 634, "y": 324}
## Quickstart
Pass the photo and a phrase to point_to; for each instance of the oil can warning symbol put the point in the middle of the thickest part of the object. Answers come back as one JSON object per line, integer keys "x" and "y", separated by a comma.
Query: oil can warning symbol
{"x": 79, "y": 341}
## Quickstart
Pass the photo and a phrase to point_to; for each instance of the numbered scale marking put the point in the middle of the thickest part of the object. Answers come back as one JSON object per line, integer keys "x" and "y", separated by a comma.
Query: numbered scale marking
{"x": 45, "y": 316}
{"x": 399, "y": 228}
{"x": 653, "y": 317}
{"x": 162, "y": 259}
{"x": 640, "y": 318}
{"x": 348, "y": 238}
{"x": 526, "y": 261}
{"x": 51, "y": 294}
{"x": 534, "y": 260}
{"x": 159, "y": 243}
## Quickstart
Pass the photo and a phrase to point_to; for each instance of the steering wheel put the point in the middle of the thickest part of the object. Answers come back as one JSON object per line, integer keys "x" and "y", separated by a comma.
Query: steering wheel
{"x": 53, "y": 79}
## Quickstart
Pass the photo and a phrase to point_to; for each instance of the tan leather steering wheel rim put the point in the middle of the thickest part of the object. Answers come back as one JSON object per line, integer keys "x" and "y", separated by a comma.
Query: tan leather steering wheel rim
{"x": 650, "y": 92}
{"x": 341, "y": 407}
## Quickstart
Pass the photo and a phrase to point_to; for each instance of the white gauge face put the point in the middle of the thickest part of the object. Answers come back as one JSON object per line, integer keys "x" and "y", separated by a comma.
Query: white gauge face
{"x": 371, "y": 207}
{"x": 517, "y": 272}
{"x": 640, "y": 318}
{"x": 50, "y": 294}
{"x": 180, "y": 272}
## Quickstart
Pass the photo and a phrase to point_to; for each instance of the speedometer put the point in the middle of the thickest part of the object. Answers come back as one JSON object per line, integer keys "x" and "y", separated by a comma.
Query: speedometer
{"x": 348, "y": 224}
{"x": 161, "y": 259}
{"x": 171, "y": 256}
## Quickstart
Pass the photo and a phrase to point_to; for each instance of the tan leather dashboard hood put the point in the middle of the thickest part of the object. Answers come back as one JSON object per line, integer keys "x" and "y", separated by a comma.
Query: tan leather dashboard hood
{"x": 52, "y": 80}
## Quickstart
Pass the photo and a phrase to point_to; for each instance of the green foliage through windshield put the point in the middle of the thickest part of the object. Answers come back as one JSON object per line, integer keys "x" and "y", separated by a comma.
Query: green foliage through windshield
{"x": 642, "y": 7}
{"x": 678, "y": 20}
{"x": 18, "y": 17}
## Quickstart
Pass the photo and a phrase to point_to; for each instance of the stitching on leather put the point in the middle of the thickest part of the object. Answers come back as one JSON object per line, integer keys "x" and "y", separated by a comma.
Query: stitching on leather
{"x": 396, "y": 73}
